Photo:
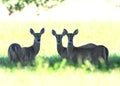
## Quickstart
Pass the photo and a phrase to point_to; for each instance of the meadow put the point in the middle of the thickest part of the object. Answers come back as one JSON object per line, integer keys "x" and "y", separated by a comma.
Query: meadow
{"x": 49, "y": 68}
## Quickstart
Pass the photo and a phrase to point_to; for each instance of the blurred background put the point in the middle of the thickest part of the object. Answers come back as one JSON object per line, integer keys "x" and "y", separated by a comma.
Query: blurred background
{"x": 60, "y": 10}
{"x": 98, "y": 22}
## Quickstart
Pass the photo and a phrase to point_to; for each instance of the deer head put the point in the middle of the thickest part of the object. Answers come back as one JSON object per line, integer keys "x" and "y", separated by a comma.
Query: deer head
{"x": 37, "y": 36}
{"x": 70, "y": 35}
{"x": 58, "y": 36}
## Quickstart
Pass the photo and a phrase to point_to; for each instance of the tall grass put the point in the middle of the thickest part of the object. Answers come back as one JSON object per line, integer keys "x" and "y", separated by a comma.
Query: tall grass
{"x": 55, "y": 71}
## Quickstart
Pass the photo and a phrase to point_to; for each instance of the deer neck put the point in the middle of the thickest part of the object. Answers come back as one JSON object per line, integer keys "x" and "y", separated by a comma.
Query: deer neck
{"x": 60, "y": 48}
{"x": 70, "y": 48}
{"x": 36, "y": 47}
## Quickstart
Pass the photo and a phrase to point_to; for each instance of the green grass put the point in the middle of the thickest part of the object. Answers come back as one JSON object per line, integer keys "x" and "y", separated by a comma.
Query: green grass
{"x": 49, "y": 68}
{"x": 54, "y": 71}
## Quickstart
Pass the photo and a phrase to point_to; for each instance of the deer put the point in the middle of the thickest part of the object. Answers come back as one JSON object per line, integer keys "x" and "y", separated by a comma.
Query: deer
{"x": 62, "y": 51}
{"x": 22, "y": 54}
{"x": 94, "y": 52}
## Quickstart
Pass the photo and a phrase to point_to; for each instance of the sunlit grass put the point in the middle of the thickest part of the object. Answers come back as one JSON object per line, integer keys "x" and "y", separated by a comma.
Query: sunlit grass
{"x": 69, "y": 77}
{"x": 53, "y": 71}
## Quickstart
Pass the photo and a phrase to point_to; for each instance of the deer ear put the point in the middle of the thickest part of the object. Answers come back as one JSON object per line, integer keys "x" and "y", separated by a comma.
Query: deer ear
{"x": 64, "y": 32}
{"x": 53, "y": 32}
{"x": 76, "y": 32}
{"x": 31, "y": 31}
{"x": 42, "y": 31}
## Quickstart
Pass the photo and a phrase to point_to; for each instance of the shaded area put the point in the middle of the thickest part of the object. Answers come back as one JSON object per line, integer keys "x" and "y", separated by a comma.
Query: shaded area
{"x": 4, "y": 62}
{"x": 55, "y": 62}
{"x": 114, "y": 61}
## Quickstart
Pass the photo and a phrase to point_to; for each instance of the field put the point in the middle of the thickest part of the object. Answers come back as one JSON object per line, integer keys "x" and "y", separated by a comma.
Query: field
{"x": 49, "y": 68}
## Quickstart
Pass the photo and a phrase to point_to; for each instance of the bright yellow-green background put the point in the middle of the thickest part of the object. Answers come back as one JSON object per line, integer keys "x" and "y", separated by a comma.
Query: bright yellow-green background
{"x": 105, "y": 33}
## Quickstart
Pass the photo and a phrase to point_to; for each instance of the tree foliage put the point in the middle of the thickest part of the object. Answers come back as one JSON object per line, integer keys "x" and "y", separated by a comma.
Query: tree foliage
{"x": 18, "y": 5}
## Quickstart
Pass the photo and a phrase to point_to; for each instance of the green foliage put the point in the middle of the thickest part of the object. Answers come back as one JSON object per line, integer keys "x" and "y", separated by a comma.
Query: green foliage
{"x": 55, "y": 63}
{"x": 55, "y": 70}
{"x": 18, "y": 5}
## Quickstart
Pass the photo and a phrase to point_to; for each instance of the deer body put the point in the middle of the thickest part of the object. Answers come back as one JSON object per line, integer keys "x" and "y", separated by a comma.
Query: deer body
{"x": 105, "y": 50}
{"x": 79, "y": 52}
{"x": 22, "y": 54}
{"x": 89, "y": 45}
{"x": 60, "y": 48}
{"x": 92, "y": 52}
{"x": 29, "y": 53}
{"x": 13, "y": 52}
{"x": 62, "y": 51}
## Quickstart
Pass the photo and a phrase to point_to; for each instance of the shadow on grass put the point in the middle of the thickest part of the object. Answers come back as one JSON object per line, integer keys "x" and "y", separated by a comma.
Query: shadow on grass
{"x": 4, "y": 62}
{"x": 114, "y": 61}
{"x": 55, "y": 62}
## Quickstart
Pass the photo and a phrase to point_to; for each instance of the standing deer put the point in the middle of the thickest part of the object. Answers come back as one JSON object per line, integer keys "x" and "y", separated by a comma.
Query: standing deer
{"x": 60, "y": 48}
{"x": 22, "y": 54}
{"x": 94, "y": 53}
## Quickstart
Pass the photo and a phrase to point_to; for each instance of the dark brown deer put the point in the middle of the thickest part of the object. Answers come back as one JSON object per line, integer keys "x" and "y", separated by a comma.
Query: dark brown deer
{"x": 17, "y": 53}
{"x": 93, "y": 53}
{"x": 60, "y": 48}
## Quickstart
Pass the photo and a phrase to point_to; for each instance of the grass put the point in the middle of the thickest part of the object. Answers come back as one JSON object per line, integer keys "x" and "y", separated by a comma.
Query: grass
{"x": 54, "y": 71}
{"x": 49, "y": 68}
